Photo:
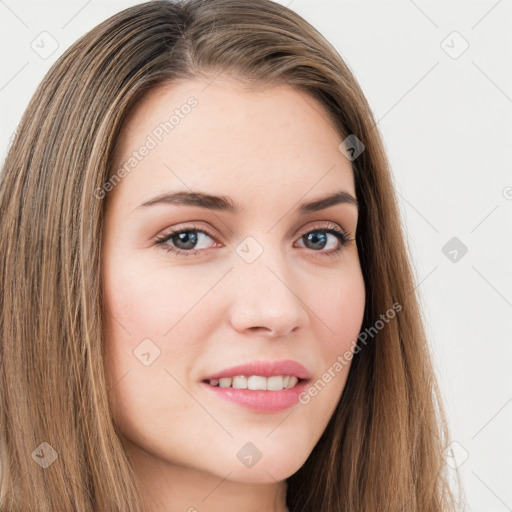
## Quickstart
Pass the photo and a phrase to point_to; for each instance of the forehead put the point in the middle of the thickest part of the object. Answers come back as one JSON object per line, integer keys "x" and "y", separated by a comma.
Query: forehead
{"x": 218, "y": 137}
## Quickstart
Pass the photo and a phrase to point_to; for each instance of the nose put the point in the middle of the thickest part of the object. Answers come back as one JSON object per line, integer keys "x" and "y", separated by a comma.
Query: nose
{"x": 264, "y": 300}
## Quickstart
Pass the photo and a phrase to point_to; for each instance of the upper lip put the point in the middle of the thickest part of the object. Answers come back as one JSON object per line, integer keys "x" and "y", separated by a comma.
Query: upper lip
{"x": 264, "y": 369}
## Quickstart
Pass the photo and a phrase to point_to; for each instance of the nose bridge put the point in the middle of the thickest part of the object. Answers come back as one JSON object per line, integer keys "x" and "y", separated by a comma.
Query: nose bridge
{"x": 263, "y": 295}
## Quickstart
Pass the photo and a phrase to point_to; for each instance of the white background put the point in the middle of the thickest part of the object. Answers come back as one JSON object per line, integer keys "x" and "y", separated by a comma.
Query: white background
{"x": 447, "y": 127}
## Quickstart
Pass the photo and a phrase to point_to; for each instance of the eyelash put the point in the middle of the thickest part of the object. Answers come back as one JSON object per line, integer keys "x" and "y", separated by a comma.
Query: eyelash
{"x": 343, "y": 237}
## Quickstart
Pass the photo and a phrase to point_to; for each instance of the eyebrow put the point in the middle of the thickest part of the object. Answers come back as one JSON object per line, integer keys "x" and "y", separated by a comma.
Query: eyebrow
{"x": 225, "y": 203}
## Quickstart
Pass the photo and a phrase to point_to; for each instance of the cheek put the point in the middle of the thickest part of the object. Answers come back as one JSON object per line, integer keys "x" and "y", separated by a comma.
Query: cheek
{"x": 147, "y": 314}
{"x": 338, "y": 308}
{"x": 149, "y": 319}
{"x": 148, "y": 298}
{"x": 341, "y": 305}
{"x": 157, "y": 317}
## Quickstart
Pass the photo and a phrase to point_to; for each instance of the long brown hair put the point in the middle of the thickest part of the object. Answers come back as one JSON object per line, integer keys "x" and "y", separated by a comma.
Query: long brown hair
{"x": 383, "y": 447}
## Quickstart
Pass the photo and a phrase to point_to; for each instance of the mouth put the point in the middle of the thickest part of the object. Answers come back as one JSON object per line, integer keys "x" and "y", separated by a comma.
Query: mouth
{"x": 256, "y": 382}
{"x": 251, "y": 395}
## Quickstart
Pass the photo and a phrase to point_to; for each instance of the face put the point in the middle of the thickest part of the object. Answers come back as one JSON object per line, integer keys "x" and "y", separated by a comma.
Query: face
{"x": 266, "y": 281}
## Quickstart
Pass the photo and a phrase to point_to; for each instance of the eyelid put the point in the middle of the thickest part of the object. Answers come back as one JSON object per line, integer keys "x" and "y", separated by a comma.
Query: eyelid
{"x": 196, "y": 227}
{"x": 163, "y": 237}
{"x": 326, "y": 224}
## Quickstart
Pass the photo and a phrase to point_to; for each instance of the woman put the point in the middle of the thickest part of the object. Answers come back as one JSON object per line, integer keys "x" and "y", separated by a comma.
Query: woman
{"x": 207, "y": 301}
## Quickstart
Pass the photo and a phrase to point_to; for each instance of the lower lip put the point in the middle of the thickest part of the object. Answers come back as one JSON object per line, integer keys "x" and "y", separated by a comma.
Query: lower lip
{"x": 260, "y": 401}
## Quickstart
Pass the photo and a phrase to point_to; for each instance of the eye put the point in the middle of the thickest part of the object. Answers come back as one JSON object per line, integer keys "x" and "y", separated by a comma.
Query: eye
{"x": 185, "y": 240}
{"x": 318, "y": 238}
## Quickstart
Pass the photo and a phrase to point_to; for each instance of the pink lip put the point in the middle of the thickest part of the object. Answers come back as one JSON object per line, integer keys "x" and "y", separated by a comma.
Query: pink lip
{"x": 260, "y": 401}
{"x": 264, "y": 369}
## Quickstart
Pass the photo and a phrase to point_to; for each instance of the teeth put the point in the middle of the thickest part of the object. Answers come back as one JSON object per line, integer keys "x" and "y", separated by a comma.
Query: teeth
{"x": 239, "y": 382}
{"x": 256, "y": 382}
{"x": 224, "y": 383}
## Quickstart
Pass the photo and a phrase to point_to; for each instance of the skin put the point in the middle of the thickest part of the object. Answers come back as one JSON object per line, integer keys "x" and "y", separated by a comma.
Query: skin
{"x": 269, "y": 150}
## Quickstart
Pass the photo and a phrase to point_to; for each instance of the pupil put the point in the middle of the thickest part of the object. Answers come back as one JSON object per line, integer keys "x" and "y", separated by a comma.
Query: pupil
{"x": 186, "y": 238}
{"x": 315, "y": 237}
